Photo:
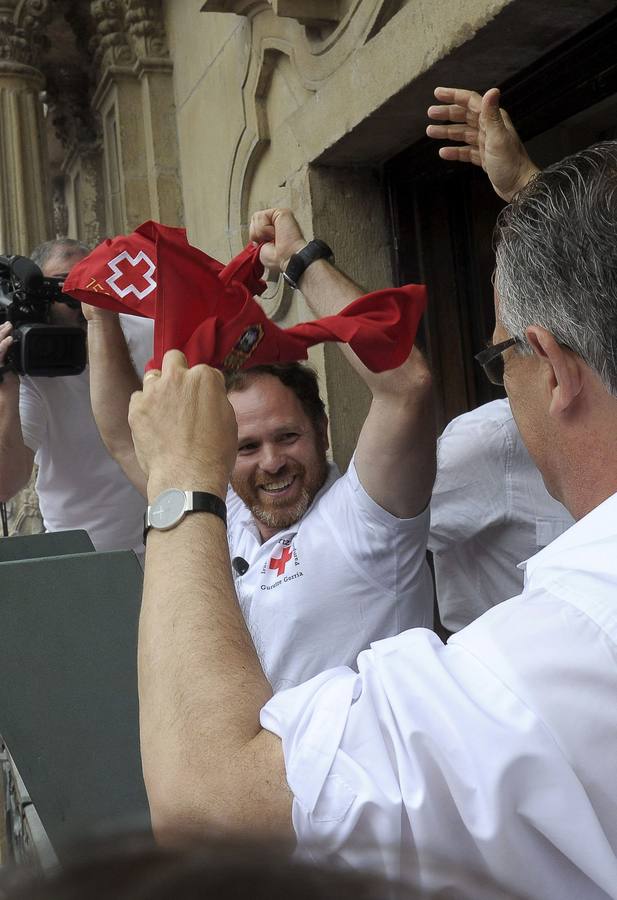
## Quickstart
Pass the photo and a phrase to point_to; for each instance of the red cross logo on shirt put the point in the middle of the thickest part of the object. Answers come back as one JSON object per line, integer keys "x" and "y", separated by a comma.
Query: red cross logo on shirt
{"x": 136, "y": 270}
{"x": 280, "y": 562}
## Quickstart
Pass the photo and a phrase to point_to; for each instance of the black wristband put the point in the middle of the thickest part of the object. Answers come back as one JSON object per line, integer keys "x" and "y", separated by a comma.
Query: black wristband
{"x": 205, "y": 502}
{"x": 299, "y": 262}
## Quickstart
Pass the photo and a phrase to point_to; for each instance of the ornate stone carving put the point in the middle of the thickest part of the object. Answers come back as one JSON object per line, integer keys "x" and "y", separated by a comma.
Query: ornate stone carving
{"x": 239, "y": 7}
{"x": 34, "y": 15}
{"x": 21, "y": 32}
{"x": 109, "y": 45}
{"x": 313, "y": 54}
{"x": 322, "y": 34}
{"x": 126, "y": 31}
{"x": 14, "y": 46}
{"x": 307, "y": 12}
{"x": 144, "y": 23}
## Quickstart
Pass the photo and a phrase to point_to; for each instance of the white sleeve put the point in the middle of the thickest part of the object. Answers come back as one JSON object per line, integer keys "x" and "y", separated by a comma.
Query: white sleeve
{"x": 470, "y": 491}
{"x": 427, "y": 751}
{"x": 32, "y": 414}
{"x": 390, "y": 552}
{"x": 139, "y": 336}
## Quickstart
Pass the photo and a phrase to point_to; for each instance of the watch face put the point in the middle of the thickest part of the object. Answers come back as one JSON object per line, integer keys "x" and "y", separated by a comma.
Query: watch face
{"x": 168, "y": 509}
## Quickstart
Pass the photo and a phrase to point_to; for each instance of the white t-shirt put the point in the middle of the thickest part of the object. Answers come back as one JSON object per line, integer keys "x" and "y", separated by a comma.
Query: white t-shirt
{"x": 495, "y": 752}
{"x": 319, "y": 592}
{"x": 489, "y": 511}
{"x": 79, "y": 485}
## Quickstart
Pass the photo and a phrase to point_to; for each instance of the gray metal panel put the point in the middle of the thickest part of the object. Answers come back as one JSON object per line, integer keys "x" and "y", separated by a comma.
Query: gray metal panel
{"x": 68, "y": 689}
{"x": 53, "y": 543}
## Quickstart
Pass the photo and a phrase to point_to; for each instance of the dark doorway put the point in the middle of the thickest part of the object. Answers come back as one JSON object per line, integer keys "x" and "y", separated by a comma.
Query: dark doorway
{"x": 443, "y": 215}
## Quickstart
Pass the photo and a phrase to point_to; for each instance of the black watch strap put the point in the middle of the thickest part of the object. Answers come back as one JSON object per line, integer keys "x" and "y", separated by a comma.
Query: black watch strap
{"x": 299, "y": 262}
{"x": 204, "y": 502}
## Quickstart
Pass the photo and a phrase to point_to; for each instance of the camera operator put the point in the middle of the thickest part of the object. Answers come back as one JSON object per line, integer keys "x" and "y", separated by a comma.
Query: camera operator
{"x": 49, "y": 421}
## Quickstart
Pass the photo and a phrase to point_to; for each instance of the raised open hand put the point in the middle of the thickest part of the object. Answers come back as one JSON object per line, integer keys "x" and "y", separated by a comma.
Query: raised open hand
{"x": 489, "y": 139}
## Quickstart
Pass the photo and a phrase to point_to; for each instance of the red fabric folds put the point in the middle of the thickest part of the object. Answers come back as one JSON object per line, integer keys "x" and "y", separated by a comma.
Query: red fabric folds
{"x": 208, "y": 310}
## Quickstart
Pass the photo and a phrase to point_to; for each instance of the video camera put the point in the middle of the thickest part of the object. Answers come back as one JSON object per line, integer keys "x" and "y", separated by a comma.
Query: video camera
{"x": 39, "y": 348}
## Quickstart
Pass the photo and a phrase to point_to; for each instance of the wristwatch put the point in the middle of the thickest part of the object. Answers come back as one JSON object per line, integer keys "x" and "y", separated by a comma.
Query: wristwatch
{"x": 300, "y": 261}
{"x": 172, "y": 505}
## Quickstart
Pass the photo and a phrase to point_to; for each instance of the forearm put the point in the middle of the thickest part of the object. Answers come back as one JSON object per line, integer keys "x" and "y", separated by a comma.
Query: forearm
{"x": 113, "y": 380}
{"x": 395, "y": 457}
{"x": 15, "y": 457}
{"x": 327, "y": 291}
{"x": 396, "y": 453}
{"x": 200, "y": 682}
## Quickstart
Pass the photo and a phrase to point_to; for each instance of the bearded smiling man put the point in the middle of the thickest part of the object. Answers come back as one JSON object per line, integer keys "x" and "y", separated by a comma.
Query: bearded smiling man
{"x": 309, "y": 547}
{"x": 282, "y": 443}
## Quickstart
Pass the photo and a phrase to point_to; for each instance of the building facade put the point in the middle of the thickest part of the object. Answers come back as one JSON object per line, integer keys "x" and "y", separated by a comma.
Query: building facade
{"x": 197, "y": 113}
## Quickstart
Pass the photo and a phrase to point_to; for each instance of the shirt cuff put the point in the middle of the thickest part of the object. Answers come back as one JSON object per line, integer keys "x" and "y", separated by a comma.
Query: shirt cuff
{"x": 310, "y": 720}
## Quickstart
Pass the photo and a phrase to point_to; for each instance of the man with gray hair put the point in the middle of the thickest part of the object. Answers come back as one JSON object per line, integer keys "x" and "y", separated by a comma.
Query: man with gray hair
{"x": 495, "y": 752}
{"x": 49, "y": 421}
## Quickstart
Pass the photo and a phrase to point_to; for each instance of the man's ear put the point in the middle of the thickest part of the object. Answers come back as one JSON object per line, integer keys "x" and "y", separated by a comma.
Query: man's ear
{"x": 566, "y": 376}
{"x": 323, "y": 428}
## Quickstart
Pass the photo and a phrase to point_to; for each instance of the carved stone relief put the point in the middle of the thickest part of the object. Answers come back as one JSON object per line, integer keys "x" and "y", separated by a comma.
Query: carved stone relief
{"x": 293, "y": 29}
{"x": 323, "y": 32}
{"x": 272, "y": 93}
{"x": 22, "y": 37}
{"x": 109, "y": 45}
{"x": 144, "y": 23}
{"x": 239, "y": 7}
{"x": 127, "y": 31}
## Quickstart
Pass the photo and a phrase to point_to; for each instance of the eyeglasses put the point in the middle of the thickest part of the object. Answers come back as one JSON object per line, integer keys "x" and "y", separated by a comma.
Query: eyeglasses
{"x": 491, "y": 360}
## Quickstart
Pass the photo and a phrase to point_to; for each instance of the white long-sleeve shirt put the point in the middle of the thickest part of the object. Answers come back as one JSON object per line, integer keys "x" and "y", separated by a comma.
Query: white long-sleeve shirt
{"x": 489, "y": 511}
{"x": 496, "y": 752}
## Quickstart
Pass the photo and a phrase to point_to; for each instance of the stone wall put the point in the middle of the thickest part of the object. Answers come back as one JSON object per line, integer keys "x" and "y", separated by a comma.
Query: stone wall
{"x": 299, "y": 102}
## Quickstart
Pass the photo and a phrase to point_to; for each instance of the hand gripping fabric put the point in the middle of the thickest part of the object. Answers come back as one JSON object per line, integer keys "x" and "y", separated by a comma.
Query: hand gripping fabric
{"x": 209, "y": 311}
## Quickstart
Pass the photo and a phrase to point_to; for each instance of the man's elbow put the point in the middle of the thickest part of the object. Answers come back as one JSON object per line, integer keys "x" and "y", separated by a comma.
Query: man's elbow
{"x": 181, "y": 807}
{"x": 415, "y": 376}
{"x": 412, "y": 379}
{"x": 173, "y": 823}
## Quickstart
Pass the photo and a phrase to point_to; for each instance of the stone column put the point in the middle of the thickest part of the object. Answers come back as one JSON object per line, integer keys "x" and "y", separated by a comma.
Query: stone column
{"x": 25, "y": 201}
{"x": 134, "y": 99}
{"x": 155, "y": 72}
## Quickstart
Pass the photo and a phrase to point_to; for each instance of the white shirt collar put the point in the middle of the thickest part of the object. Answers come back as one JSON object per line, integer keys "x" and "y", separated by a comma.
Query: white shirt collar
{"x": 601, "y": 520}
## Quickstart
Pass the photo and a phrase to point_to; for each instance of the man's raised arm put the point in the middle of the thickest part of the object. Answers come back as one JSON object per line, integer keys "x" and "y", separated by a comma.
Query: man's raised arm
{"x": 395, "y": 455}
{"x": 207, "y": 763}
{"x": 487, "y": 136}
{"x": 16, "y": 458}
{"x": 112, "y": 381}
